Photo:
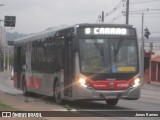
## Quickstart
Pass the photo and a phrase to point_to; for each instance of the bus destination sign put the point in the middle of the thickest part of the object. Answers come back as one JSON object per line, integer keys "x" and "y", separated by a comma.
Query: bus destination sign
{"x": 109, "y": 31}
{"x": 105, "y": 31}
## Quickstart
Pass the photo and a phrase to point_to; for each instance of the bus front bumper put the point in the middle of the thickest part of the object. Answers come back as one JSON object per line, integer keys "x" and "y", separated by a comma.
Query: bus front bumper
{"x": 81, "y": 93}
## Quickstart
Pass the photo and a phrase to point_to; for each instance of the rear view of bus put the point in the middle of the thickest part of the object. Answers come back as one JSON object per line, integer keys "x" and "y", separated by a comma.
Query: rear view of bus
{"x": 107, "y": 63}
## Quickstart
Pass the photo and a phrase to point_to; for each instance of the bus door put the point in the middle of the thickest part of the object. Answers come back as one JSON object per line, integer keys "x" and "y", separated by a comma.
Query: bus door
{"x": 68, "y": 69}
{"x": 20, "y": 61}
{"x": 17, "y": 66}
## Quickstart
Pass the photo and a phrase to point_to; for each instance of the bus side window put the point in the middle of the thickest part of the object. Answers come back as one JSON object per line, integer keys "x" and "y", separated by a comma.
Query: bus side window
{"x": 58, "y": 54}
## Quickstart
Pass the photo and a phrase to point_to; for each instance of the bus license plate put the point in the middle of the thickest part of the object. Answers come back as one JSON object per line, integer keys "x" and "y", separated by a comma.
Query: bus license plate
{"x": 111, "y": 96}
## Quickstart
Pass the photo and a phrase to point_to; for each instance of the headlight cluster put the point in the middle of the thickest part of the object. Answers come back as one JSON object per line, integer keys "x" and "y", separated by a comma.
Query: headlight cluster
{"x": 136, "y": 82}
{"x": 83, "y": 82}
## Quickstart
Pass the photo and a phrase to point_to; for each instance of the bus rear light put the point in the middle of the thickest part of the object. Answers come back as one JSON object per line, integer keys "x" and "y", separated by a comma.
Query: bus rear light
{"x": 136, "y": 82}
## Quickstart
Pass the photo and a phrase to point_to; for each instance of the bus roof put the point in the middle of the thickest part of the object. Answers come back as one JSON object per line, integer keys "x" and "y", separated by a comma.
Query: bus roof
{"x": 52, "y": 31}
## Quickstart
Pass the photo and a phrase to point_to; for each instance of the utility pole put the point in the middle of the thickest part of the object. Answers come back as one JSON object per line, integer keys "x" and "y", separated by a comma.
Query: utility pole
{"x": 1, "y": 41}
{"x": 4, "y": 60}
{"x": 142, "y": 46}
{"x": 127, "y": 11}
{"x": 102, "y": 16}
{"x": 8, "y": 58}
{"x": 142, "y": 28}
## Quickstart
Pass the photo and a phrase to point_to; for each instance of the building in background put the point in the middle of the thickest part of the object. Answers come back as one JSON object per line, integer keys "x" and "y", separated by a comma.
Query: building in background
{"x": 152, "y": 62}
{"x": 155, "y": 70}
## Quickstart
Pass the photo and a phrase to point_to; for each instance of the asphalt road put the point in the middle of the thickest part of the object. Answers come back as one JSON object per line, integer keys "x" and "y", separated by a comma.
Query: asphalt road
{"x": 149, "y": 101}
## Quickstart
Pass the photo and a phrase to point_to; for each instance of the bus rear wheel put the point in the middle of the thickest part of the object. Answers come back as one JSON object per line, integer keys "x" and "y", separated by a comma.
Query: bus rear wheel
{"x": 57, "y": 93}
{"x": 112, "y": 102}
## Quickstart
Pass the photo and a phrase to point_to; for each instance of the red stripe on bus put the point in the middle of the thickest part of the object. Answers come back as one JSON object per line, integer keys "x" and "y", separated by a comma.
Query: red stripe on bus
{"x": 110, "y": 84}
{"x": 33, "y": 82}
{"x": 15, "y": 80}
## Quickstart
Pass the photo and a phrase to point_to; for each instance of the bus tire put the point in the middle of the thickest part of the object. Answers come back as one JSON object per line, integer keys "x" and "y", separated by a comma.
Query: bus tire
{"x": 25, "y": 92}
{"x": 57, "y": 93}
{"x": 112, "y": 102}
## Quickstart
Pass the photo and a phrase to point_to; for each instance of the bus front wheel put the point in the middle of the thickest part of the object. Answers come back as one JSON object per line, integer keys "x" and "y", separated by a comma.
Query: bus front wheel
{"x": 112, "y": 102}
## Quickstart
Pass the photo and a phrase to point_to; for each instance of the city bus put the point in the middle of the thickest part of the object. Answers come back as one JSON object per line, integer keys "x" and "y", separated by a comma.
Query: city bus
{"x": 80, "y": 62}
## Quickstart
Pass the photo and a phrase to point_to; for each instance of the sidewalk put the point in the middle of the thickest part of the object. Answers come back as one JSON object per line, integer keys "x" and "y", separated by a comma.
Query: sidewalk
{"x": 151, "y": 86}
{"x": 5, "y": 72}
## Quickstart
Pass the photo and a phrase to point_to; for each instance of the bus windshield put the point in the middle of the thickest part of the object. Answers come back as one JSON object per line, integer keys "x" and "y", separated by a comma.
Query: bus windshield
{"x": 112, "y": 55}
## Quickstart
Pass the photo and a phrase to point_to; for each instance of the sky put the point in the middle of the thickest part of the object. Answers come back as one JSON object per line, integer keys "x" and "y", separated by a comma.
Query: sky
{"x": 37, "y": 15}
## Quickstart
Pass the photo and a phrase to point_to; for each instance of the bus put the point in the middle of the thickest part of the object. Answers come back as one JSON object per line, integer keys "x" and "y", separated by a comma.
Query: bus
{"x": 80, "y": 62}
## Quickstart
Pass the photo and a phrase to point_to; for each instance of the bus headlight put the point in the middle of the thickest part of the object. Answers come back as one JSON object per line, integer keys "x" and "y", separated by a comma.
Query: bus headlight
{"x": 82, "y": 82}
{"x": 136, "y": 82}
